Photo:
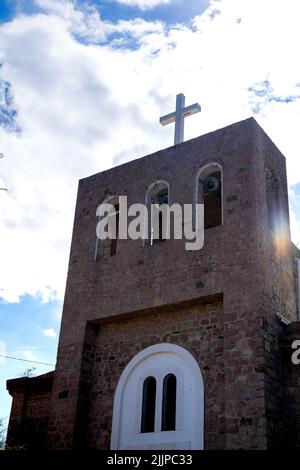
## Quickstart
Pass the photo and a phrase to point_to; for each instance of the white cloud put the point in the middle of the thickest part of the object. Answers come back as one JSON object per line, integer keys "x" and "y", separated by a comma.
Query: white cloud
{"x": 28, "y": 355}
{"x": 56, "y": 312}
{"x": 143, "y": 4}
{"x": 85, "y": 22}
{"x": 50, "y": 332}
{"x": 137, "y": 28}
{"x": 85, "y": 107}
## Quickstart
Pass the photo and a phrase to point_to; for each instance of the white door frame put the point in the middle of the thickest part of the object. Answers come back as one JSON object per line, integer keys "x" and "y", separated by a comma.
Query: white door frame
{"x": 190, "y": 399}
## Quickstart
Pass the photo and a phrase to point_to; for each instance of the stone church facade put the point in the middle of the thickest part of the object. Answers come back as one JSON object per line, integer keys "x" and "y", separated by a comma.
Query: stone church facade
{"x": 165, "y": 348}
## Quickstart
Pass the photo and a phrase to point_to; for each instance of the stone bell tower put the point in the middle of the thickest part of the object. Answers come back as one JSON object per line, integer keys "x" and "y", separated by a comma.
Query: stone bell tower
{"x": 165, "y": 348}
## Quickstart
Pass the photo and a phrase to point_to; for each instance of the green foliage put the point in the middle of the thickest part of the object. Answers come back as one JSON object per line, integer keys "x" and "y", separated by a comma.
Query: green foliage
{"x": 2, "y": 433}
{"x": 30, "y": 372}
{"x": 3, "y": 430}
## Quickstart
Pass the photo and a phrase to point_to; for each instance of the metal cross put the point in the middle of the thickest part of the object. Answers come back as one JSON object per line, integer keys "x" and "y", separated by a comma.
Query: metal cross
{"x": 178, "y": 117}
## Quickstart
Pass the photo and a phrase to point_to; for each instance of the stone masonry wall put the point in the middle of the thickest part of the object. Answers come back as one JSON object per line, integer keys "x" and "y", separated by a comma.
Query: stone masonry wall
{"x": 140, "y": 277}
{"x": 28, "y": 422}
{"x": 291, "y": 396}
{"x": 236, "y": 261}
{"x": 116, "y": 305}
{"x": 277, "y": 293}
{"x": 197, "y": 328}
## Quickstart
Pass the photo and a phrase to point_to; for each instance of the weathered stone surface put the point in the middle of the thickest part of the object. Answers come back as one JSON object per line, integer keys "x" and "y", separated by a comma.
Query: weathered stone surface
{"x": 28, "y": 422}
{"x": 221, "y": 303}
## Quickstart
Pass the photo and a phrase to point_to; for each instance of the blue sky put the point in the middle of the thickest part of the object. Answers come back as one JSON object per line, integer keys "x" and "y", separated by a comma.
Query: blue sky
{"x": 82, "y": 86}
{"x": 295, "y": 201}
{"x": 6, "y": 10}
{"x": 28, "y": 331}
{"x": 178, "y": 11}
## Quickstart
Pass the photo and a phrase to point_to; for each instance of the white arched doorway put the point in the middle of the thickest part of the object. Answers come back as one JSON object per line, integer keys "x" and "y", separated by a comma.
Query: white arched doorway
{"x": 159, "y": 401}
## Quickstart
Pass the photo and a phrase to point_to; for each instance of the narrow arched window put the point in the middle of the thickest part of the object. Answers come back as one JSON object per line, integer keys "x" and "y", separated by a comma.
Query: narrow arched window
{"x": 168, "y": 419}
{"x": 148, "y": 405}
{"x": 210, "y": 194}
{"x": 107, "y": 245}
{"x": 172, "y": 374}
{"x": 157, "y": 196}
{"x": 158, "y": 200}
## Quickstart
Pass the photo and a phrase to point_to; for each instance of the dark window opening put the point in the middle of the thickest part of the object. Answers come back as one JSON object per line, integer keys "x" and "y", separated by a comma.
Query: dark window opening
{"x": 63, "y": 394}
{"x": 211, "y": 190}
{"x": 114, "y": 241}
{"x": 168, "y": 422}
{"x": 148, "y": 405}
{"x": 160, "y": 198}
